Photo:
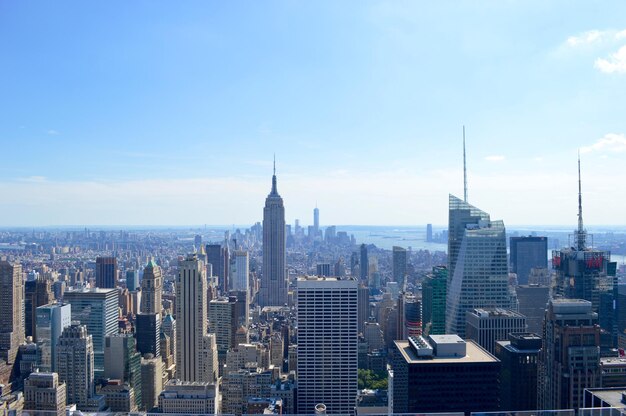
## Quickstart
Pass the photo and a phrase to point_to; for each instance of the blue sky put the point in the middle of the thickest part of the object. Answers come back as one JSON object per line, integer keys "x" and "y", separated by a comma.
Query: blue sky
{"x": 170, "y": 112}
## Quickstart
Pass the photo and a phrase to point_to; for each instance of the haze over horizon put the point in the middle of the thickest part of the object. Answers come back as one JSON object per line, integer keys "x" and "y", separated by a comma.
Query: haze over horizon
{"x": 150, "y": 113}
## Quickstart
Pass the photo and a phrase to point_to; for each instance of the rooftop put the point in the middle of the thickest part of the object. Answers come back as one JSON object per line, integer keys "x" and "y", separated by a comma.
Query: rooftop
{"x": 474, "y": 353}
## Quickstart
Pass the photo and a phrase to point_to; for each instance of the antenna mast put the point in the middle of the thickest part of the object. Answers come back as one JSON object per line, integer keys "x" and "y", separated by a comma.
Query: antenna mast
{"x": 464, "y": 169}
{"x": 581, "y": 234}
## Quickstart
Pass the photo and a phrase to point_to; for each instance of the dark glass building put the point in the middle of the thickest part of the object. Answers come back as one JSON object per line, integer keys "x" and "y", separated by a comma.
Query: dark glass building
{"x": 528, "y": 253}
{"x": 106, "y": 272}
{"x": 147, "y": 333}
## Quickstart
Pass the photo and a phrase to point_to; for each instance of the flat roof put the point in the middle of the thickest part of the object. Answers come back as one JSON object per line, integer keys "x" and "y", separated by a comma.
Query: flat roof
{"x": 474, "y": 354}
{"x": 612, "y": 397}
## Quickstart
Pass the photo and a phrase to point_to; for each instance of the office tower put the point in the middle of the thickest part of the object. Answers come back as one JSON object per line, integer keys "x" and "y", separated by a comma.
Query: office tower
{"x": 189, "y": 398}
{"x": 324, "y": 340}
{"x": 533, "y": 300}
{"x": 583, "y": 272}
{"x": 191, "y": 318}
{"x": 151, "y": 381}
{"x": 97, "y": 309}
{"x": 434, "y": 289}
{"x": 50, "y": 320}
{"x": 242, "y": 307}
{"x": 151, "y": 289}
{"x": 569, "y": 361}
{"x": 44, "y": 395}
{"x": 215, "y": 257}
{"x": 399, "y": 266}
{"x": 518, "y": 371}
{"x": 411, "y": 316}
{"x": 486, "y": 326}
{"x": 197, "y": 241}
{"x": 12, "y": 323}
{"x": 330, "y": 234}
{"x": 363, "y": 303}
{"x": 316, "y": 220}
{"x": 323, "y": 269}
{"x": 354, "y": 265}
{"x": 106, "y": 272}
{"x": 240, "y": 271}
{"x": 241, "y": 385}
{"x": 36, "y": 293}
{"x": 132, "y": 280}
{"x": 209, "y": 358}
{"x": 429, "y": 233}
{"x": 123, "y": 362}
{"x": 528, "y": 253}
{"x": 273, "y": 284}
{"x": 148, "y": 332}
{"x": 223, "y": 323}
{"x": 364, "y": 264}
{"x": 119, "y": 396}
{"x": 168, "y": 327}
{"x": 28, "y": 357}
{"x": 75, "y": 365}
{"x": 442, "y": 374}
{"x": 478, "y": 269}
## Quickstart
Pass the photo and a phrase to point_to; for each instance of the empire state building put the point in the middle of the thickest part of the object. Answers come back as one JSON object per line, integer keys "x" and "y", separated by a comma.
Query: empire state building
{"x": 273, "y": 287}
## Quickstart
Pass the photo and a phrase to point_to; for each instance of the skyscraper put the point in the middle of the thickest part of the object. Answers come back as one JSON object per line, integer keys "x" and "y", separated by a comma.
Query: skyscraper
{"x": 273, "y": 285}
{"x": 240, "y": 271}
{"x": 215, "y": 257}
{"x": 191, "y": 318}
{"x": 123, "y": 362}
{"x": 316, "y": 219}
{"x": 479, "y": 275}
{"x": 528, "y": 253}
{"x": 488, "y": 325}
{"x": 364, "y": 264}
{"x": 399, "y": 266}
{"x": 97, "y": 309}
{"x": 106, "y": 272}
{"x": 37, "y": 293}
{"x": 434, "y": 301}
{"x": 151, "y": 289}
{"x": 327, "y": 344}
{"x": 569, "y": 361}
{"x": 44, "y": 394}
{"x": 51, "y": 320}
{"x": 12, "y": 322}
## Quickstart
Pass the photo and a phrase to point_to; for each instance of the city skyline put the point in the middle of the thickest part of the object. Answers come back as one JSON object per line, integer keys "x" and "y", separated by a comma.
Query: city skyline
{"x": 363, "y": 104}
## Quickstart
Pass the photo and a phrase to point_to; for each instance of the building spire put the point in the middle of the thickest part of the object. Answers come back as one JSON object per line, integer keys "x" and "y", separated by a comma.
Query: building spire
{"x": 464, "y": 169}
{"x": 274, "y": 187}
{"x": 581, "y": 234}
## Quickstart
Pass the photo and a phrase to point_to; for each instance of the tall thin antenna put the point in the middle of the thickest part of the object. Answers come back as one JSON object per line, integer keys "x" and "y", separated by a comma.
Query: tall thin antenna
{"x": 274, "y": 163}
{"x": 581, "y": 234}
{"x": 464, "y": 169}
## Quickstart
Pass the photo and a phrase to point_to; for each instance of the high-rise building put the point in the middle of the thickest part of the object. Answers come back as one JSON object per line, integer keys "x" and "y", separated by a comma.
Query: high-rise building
{"x": 316, "y": 220}
{"x": 569, "y": 361}
{"x": 106, "y": 272}
{"x": 240, "y": 271}
{"x": 442, "y": 374}
{"x": 273, "y": 285}
{"x": 37, "y": 293}
{"x": 363, "y": 303}
{"x": 97, "y": 309}
{"x": 123, "y": 362}
{"x": 189, "y": 398}
{"x": 223, "y": 323}
{"x": 429, "y": 233}
{"x": 215, "y": 257}
{"x": 434, "y": 301}
{"x": 44, "y": 394}
{"x": 151, "y": 289}
{"x": 533, "y": 300}
{"x": 327, "y": 335}
{"x": 518, "y": 372}
{"x": 75, "y": 365}
{"x": 191, "y": 318}
{"x": 399, "y": 266}
{"x": 364, "y": 264}
{"x": 12, "y": 322}
{"x": 488, "y": 325}
{"x": 528, "y": 253}
{"x": 584, "y": 272}
{"x": 132, "y": 280}
{"x": 151, "y": 381}
{"x": 478, "y": 269}
{"x": 51, "y": 320}
{"x": 411, "y": 316}
{"x": 147, "y": 333}
{"x": 323, "y": 269}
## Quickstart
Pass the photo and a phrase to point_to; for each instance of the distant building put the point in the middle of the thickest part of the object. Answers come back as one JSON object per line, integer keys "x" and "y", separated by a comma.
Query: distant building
{"x": 51, "y": 320}
{"x": 363, "y": 303}
{"x": 189, "y": 398}
{"x": 223, "y": 323}
{"x": 399, "y": 262}
{"x": 442, "y": 374}
{"x": 123, "y": 362}
{"x": 151, "y": 289}
{"x": 36, "y": 293}
{"x": 533, "y": 300}
{"x": 323, "y": 269}
{"x": 429, "y": 233}
{"x": 97, "y": 309}
{"x": 364, "y": 264}
{"x": 151, "y": 381}
{"x": 132, "y": 280}
{"x": 147, "y": 333}
{"x": 518, "y": 373}
{"x": 434, "y": 301}
{"x": 325, "y": 340}
{"x": 569, "y": 361}
{"x": 479, "y": 275}
{"x": 527, "y": 253}
{"x": 486, "y": 326}
{"x": 240, "y": 271}
{"x": 106, "y": 272}
{"x": 12, "y": 322}
{"x": 44, "y": 394}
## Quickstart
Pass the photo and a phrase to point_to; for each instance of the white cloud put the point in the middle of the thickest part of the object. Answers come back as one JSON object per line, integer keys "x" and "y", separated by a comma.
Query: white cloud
{"x": 615, "y": 63}
{"x": 611, "y": 142}
{"x": 586, "y": 38}
{"x": 53, "y": 132}
{"x": 495, "y": 158}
